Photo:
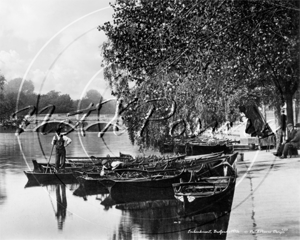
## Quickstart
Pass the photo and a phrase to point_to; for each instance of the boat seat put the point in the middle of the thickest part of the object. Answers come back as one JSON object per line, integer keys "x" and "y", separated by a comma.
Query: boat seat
{"x": 47, "y": 168}
{"x": 153, "y": 177}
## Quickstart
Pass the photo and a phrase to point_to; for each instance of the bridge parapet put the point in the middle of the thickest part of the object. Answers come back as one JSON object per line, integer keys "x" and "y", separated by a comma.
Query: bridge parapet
{"x": 36, "y": 121}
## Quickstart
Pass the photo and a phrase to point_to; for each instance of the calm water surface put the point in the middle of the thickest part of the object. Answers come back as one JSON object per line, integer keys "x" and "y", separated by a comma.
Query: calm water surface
{"x": 54, "y": 212}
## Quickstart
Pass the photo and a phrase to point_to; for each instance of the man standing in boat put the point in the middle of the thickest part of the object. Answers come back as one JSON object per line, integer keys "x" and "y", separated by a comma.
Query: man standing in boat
{"x": 61, "y": 142}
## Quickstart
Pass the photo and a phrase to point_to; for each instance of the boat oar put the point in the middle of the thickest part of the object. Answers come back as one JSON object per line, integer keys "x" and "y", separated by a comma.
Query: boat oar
{"x": 49, "y": 158}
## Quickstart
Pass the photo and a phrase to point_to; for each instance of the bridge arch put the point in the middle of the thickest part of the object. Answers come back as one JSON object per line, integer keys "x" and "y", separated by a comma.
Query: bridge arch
{"x": 51, "y": 126}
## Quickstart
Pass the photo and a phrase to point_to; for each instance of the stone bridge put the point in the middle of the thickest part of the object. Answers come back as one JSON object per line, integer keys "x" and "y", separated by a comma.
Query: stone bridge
{"x": 91, "y": 123}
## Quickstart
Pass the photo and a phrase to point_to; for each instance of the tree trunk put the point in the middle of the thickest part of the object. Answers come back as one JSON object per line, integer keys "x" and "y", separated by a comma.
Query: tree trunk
{"x": 297, "y": 106}
{"x": 289, "y": 108}
{"x": 297, "y": 111}
{"x": 277, "y": 113}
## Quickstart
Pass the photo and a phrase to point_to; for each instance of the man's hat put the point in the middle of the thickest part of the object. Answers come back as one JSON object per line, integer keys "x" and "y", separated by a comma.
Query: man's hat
{"x": 289, "y": 125}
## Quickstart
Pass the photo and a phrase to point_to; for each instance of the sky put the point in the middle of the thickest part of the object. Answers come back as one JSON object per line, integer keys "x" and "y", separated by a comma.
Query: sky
{"x": 55, "y": 44}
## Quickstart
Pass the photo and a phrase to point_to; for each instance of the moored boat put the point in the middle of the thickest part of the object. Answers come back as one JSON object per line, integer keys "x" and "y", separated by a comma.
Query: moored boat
{"x": 198, "y": 146}
{"x": 46, "y": 173}
{"x": 156, "y": 183}
{"x": 50, "y": 177}
{"x": 204, "y": 193}
{"x": 148, "y": 163}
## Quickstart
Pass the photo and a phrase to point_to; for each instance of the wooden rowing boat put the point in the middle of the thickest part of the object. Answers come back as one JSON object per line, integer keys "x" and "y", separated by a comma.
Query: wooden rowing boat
{"x": 94, "y": 167}
{"x": 80, "y": 162}
{"x": 44, "y": 173}
{"x": 153, "y": 185}
{"x": 50, "y": 178}
{"x": 208, "y": 192}
{"x": 206, "y": 195}
{"x": 198, "y": 146}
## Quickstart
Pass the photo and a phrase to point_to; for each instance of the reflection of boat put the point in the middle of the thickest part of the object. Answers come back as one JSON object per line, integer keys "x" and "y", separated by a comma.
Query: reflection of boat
{"x": 160, "y": 202}
{"x": 83, "y": 191}
{"x": 131, "y": 198}
{"x": 87, "y": 186}
{"x": 208, "y": 225}
{"x": 161, "y": 217}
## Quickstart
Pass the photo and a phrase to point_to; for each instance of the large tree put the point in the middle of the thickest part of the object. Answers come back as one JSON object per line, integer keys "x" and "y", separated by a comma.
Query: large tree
{"x": 207, "y": 55}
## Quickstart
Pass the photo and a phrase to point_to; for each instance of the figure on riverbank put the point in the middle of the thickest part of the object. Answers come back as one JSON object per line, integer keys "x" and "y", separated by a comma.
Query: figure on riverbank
{"x": 60, "y": 142}
{"x": 292, "y": 141}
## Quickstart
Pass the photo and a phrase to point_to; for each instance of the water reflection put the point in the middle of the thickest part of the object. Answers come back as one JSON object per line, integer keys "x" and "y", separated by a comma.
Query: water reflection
{"x": 2, "y": 188}
{"x": 60, "y": 208}
{"x": 61, "y": 203}
{"x": 136, "y": 217}
{"x": 88, "y": 190}
{"x": 154, "y": 219}
{"x": 154, "y": 216}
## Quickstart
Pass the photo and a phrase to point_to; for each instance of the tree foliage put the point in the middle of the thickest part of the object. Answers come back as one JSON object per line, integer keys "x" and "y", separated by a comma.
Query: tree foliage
{"x": 14, "y": 97}
{"x": 2, "y": 81}
{"x": 93, "y": 96}
{"x": 206, "y": 55}
{"x": 16, "y": 85}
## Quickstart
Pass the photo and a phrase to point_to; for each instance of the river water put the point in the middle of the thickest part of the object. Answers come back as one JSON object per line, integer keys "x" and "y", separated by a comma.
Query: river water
{"x": 55, "y": 212}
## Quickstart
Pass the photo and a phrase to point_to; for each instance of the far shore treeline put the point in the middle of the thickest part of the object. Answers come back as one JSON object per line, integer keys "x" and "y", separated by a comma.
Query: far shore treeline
{"x": 194, "y": 63}
{"x": 62, "y": 102}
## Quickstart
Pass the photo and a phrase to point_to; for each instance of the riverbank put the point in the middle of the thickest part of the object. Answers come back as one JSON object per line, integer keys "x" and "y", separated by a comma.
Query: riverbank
{"x": 267, "y": 196}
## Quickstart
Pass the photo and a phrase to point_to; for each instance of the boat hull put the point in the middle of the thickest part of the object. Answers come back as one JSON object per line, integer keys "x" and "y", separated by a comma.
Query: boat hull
{"x": 124, "y": 191}
{"x": 50, "y": 178}
{"x": 221, "y": 202}
{"x": 191, "y": 149}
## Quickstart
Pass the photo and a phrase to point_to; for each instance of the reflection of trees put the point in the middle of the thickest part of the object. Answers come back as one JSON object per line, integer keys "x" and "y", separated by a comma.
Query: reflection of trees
{"x": 2, "y": 188}
{"x": 166, "y": 223}
{"x": 61, "y": 201}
